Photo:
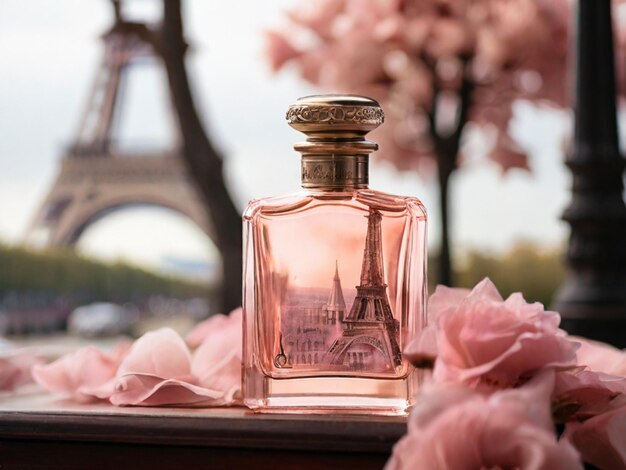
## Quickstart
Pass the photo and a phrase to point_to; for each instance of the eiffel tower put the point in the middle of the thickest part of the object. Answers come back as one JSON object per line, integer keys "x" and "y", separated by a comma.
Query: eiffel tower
{"x": 95, "y": 177}
{"x": 370, "y": 323}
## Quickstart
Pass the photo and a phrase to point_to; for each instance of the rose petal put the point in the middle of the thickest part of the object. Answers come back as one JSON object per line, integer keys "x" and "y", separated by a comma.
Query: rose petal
{"x": 216, "y": 325}
{"x": 161, "y": 353}
{"x": 217, "y": 362}
{"x": 84, "y": 375}
{"x": 159, "y": 369}
{"x": 601, "y": 440}
{"x": 15, "y": 369}
{"x": 422, "y": 350}
{"x": 580, "y": 394}
{"x": 145, "y": 390}
{"x": 455, "y": 427}
{"x": 601, "y": 357}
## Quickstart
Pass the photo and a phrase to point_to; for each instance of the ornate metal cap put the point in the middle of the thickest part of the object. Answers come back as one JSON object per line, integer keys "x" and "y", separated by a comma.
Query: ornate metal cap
{"x": 335, "y": 154}
{"x": 329, "y": 115}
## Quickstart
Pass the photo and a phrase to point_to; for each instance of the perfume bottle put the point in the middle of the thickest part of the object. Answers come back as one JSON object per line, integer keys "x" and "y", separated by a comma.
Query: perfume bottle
{"x": 334, "y": 281}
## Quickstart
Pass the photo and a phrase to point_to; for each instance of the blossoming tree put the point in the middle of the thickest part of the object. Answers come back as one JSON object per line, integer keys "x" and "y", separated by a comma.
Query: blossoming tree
{"x": 436, "y": 66}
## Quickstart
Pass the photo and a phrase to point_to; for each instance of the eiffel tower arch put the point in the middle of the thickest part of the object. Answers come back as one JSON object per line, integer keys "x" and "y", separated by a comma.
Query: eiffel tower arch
{"x": 96, "y": 178}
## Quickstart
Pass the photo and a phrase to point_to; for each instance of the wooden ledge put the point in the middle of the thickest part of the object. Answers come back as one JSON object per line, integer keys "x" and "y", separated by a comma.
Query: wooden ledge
{"x": 34, "y": 426}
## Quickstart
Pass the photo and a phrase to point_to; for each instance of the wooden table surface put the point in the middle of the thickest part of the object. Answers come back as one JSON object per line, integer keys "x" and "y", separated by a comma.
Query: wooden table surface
{"x": 38, "y": 431}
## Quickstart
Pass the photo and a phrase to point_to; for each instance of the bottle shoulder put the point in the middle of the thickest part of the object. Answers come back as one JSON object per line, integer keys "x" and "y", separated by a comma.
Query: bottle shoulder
{"x": 360, "y": 199}
{"x": 392, "y": 203}
{"x": 276, "y": 204}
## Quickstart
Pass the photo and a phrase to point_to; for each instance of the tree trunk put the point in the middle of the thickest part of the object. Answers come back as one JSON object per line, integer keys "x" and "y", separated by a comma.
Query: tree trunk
{"x": 446, "y": 153}
{"x": 203, "y": 160}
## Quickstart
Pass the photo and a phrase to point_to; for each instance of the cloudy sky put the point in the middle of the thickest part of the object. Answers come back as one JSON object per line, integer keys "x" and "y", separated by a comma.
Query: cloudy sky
{"x": 48, "y": 56}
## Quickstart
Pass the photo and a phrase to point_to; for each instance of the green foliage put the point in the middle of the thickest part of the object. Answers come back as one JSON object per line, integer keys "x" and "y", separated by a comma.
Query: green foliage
{"x": 534, "y": 271}
{"x": 62, "y": 272}
{"x": 526, "y": 268}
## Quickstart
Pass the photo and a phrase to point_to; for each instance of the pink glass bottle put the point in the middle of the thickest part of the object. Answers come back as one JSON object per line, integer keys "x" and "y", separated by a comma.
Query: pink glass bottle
{"x": 334, "y": 276}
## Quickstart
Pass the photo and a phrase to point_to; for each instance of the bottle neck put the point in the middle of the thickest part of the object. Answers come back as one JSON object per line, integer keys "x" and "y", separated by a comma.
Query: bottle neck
{"x": 332, "y": 172}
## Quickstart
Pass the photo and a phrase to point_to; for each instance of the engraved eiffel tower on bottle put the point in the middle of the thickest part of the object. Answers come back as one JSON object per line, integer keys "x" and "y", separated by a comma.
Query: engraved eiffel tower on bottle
{"x": 370, "y": 337}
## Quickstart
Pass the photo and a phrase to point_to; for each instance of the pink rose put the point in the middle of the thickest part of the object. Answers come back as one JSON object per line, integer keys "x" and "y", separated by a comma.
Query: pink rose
{"x": 581, "y": 394}
{"x": 15, "y": 369}
{"x": 215, "y": 325}
{"x": 217, "y": 362}
{"x": 601, "y": 440}
{"x": 454, "y": 427}
{"x": 85, "y": 375}
{"x": 482, "y": 339}
{"x": 601, "y": 357}
{"x": 594, "y": 385}
{"x": 160, "y": 370}
{"x": 423, "y": 349}
{"x": 593, "y": 401}
{"x": 157, "y": 371}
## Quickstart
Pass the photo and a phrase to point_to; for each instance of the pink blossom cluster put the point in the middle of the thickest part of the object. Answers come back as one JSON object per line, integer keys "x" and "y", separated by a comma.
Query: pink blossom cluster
{"x": 503, "y": 377}
{"x": 157, "y": 369}
{"x": 433, "y": 64}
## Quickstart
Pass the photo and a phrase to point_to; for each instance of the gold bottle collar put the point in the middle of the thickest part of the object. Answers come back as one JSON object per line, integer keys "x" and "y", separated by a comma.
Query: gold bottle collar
{"x": 335, "y": 154}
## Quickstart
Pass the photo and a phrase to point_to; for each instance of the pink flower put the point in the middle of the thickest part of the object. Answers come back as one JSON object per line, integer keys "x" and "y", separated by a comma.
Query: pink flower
{"x": 217, "y": 362}
{"x": 449, "y": 37}
{"x": 581, "y": 394}
{"x": 15, "y": 369}
{"x": 595, "y": 385}
{"x": 353, "y": 62}
{"x": 345, "y": 44}
{"x": 319, "y": 16}
{"x": 592, "y": 399}
{"x": 454, "y": 427}
{"x": 160, "y": 370}
{"x": 84, "y": 375}
{"x": 490, "y": 49}
{"x": 601, "y": 357}
{"x": 215, "y": 325}
{"x": 279, "y": 50}
{"x": 157, "y": 371}
{"x": 508, "y": 154}
{"x": 485, "y": 340}
{"x": 601, "y": 440}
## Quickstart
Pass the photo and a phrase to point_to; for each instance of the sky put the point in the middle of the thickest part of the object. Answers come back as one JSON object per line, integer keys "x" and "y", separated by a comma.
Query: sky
{"x": 49, "y": 52}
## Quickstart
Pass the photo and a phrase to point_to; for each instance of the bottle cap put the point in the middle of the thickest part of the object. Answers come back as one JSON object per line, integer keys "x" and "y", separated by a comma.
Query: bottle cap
{"x": 335, "y": 154}
{"x": 346, "y": 116}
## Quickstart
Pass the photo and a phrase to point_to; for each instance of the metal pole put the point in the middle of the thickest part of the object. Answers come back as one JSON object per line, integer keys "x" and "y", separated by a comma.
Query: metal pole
{"x": 592, "y": 300}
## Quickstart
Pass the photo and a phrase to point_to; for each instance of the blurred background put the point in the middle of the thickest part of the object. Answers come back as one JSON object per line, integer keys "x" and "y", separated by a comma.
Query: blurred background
{"x": 135, "y": 265}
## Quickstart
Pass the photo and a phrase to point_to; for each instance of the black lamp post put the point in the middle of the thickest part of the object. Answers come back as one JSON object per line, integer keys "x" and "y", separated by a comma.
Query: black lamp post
{"x": 592, "y": 300}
